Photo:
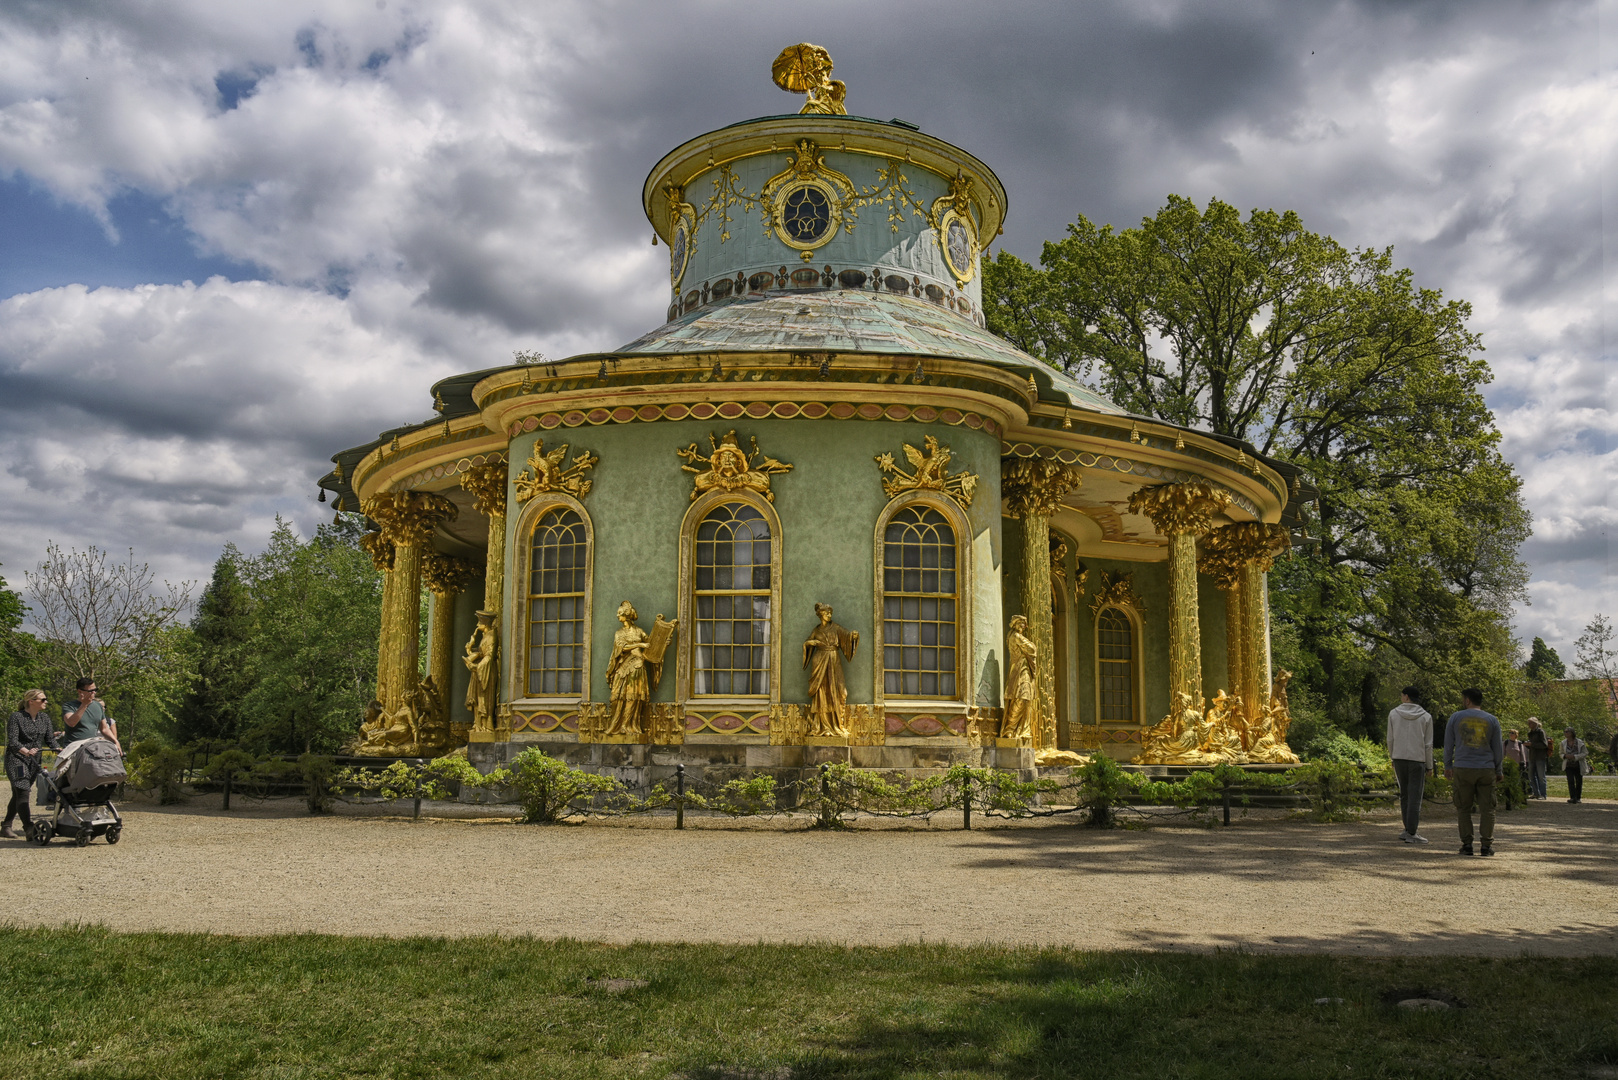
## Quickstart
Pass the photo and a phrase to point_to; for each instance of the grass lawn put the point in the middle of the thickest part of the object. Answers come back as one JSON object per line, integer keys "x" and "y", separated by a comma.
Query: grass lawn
{"x": 89, "y": 1003}
{"x": 1596, "y": 786}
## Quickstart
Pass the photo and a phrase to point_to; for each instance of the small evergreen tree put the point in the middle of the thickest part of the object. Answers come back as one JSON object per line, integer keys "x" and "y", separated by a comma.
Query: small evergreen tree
{"x": 224, "y": 631}
{"x": 1543, "y": 663}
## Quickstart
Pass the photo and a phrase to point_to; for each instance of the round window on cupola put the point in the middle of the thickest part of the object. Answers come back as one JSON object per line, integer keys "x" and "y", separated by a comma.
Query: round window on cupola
{"x": 958, "y": 239}
{"x": 807, "y": 214}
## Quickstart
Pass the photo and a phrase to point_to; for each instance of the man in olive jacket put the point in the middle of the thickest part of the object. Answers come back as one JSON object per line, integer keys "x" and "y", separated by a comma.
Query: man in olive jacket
{"x": 1474, "y": 758}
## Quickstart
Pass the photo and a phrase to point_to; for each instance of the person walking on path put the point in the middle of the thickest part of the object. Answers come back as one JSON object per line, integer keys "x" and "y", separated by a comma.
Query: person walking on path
{"x": 1575, "y": 763}
{"x": 1539, "y": 758}
{"x": 1474, "y": 757}
{"x": 88, "y": 719}
{"x": 1410, "y": 744}
{"x": 1612, "y": 753}
{"x": 28, "y": 732}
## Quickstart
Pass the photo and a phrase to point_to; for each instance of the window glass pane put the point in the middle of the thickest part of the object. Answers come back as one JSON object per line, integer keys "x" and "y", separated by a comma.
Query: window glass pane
{"x": 918, "y": 603}
{"x": 556, "y": 603}
{"x": 732, "y": 581}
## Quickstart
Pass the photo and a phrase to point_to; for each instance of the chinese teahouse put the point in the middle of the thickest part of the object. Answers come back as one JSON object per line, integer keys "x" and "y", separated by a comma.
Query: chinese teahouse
{"x": 821, "y": 513}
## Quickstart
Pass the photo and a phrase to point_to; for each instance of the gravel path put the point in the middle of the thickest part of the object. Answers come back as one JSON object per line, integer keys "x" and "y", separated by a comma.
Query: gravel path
{"x": 1261, "y": 884}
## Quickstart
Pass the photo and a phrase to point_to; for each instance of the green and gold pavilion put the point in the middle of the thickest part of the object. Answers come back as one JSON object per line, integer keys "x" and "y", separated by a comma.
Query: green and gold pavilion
{"x": 821, "y": 513}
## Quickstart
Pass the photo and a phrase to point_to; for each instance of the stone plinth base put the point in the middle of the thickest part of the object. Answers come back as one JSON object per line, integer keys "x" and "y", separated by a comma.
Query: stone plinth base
{"x": 825, "y": 740}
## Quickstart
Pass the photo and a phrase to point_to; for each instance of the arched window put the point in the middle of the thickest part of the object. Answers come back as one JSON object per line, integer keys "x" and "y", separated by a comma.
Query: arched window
{"x": 557, "y": 581}
{"x": 1115, "y": 667}
{"x": 731, "y": 590}
{"x": 920, "y": 586}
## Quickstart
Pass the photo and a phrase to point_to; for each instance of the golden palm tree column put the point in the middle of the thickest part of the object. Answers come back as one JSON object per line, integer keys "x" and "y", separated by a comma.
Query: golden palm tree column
{"x": 487, "y": 485}
{"x": 407, "y": 520}
{"x": 446, "y": 578}
{"x": 1237, "y": 557}
{"x": 1182, "y": 512}
{"x": 381, "y": 552}
{"x": 1033, "y": 489}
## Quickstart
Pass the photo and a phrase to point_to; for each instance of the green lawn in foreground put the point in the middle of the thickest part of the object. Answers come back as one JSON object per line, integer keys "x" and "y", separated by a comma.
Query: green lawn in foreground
{"x": 1596, "y": 786}
{"x": 88, "y": 1003}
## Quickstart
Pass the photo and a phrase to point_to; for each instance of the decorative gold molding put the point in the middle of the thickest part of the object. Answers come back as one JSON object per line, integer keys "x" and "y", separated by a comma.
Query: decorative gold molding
{"x": 1180, "y": 509}
{"x": 1035, "y": 486}
{"x": 808, "y": 172}
{"x": 1118, "y": 591}
{"x": 1228, "y": 548}
{"x": 446, "y": 575}
{"x": 730, "y": 468}
{"x": 932, "y": 474}
{"x": 545, "y": 473}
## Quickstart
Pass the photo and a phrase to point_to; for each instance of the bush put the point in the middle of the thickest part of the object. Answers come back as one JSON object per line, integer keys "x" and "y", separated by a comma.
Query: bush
{"x": 320, "y": 781}
{"x": 1102, "y": 785}
{"x": 546, "y": 787}
{"x": 154, "y": 766}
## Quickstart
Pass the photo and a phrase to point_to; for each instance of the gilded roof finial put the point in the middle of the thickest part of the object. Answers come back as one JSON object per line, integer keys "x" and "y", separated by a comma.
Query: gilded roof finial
{"x": 806, "y": 69}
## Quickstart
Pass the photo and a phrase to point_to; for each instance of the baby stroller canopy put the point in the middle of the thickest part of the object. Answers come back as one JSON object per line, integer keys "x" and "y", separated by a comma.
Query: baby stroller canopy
{"x": 89, "y": 763}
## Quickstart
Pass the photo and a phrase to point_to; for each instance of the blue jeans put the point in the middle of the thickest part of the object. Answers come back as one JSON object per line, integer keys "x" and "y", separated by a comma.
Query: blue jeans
{"x": 1537, "y": 768}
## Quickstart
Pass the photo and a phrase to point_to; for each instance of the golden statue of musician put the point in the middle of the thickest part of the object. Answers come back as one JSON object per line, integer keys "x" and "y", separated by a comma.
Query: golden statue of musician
{"x": 633, "y": 671}
{"x": 828, "y": 695}
{"x": 479, "y": 660}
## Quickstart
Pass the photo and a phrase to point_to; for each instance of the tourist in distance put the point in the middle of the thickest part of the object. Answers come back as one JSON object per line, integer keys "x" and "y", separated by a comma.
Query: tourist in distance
{"x": 89, "y": 719}
{"x": 1517, "y": 750}
{"x": 1539, "y": 758}
{"x": 1410, "y": 744}
{"x": 1474, "y": 757}
{"x": 28, "y": 732}
{"x": 1612, "y": 753}
{"x": 1575, "y": 763}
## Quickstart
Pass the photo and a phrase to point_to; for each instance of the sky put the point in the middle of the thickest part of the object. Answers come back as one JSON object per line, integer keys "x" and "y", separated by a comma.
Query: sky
{"x": 235, "y": 238}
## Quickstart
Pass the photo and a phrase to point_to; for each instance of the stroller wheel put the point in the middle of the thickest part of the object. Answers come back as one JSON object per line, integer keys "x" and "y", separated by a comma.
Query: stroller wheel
{"x": 114, "y": 833}
{"x": 42, "y": 833}
{"x": 83, "y": 836}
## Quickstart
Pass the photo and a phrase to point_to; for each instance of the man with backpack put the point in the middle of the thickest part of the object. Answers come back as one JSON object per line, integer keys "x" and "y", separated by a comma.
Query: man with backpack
{"x": 1474, "y": 759}
{"x": 1539, "y": 758}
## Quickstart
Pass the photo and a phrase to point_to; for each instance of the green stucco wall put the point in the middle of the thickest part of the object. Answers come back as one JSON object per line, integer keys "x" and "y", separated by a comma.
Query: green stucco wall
{"x": 829, "y": 505}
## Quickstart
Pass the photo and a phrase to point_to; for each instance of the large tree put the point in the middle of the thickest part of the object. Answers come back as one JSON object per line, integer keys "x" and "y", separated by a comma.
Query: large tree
{"x": 1332, "y": 359}
{"x": 1544, "y": 665}
{"x": 226, "y": 662}
{"x": 317, "y": 607}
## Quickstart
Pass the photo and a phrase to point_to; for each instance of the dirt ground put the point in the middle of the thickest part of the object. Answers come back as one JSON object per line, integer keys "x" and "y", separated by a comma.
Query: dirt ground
{"x": 1262, "y": 884}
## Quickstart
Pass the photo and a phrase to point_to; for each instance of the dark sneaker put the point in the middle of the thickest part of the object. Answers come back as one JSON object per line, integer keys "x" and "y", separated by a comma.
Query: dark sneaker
{"x": 1466, "y": 849}
{"x": 1488, "y": 849}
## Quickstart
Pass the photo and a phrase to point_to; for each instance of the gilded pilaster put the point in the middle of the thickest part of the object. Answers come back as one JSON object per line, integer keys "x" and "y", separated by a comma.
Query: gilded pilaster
{"x": 1033, "y": 489}
{"x": 1182, "y": 512}
{"x": 446, "y": 578}
{"x": 381, "y": 551}
{"x": 407, "y": 520}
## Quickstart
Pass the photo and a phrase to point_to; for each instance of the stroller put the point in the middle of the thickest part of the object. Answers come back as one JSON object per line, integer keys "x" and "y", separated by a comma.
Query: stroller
{"x": 84, "y": 778}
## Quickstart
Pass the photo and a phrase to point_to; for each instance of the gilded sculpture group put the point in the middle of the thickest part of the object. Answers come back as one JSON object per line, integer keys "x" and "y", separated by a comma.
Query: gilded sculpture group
{"x": 1246, "y": 724}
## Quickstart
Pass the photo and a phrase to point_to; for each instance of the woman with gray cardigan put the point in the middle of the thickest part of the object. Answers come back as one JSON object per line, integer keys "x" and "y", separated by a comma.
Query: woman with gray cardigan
{"x": 28, "y": 733}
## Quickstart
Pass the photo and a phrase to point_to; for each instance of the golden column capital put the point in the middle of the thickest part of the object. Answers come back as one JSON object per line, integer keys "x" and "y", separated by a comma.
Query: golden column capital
{"x": 380, "y": 549}
{"x": 487, "y": 485}
{"x": 1180, "y": 509}
{"x": 1035, "y": 486}
{"x": 408, "y": 518}
{"x": 446, "y": 575}
{"x": 1229, "y": 548}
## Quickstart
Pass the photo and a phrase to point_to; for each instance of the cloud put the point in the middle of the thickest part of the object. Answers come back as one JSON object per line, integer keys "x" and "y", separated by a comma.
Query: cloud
{"x": 426, "y": 185}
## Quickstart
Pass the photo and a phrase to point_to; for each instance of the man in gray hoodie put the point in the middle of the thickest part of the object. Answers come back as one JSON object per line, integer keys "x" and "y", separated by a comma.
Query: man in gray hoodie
{"x": 1474, "y": 758}
{"x": 1410, "y": 744}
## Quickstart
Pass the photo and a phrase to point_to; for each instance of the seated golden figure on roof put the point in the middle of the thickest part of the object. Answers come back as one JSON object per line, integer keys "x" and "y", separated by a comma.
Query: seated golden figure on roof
{"x": 806, "y": 69}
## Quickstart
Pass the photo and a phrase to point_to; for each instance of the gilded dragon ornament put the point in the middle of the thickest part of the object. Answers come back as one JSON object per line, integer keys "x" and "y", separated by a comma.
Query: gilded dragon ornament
{"x": 546, "y": 474}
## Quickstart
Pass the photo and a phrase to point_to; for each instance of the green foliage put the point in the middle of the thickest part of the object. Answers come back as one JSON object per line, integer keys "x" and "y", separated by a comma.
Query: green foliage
{"x": 1514, "y": 788}
{"x": 320, "y": 781}
{"x": 1543, "y": 663}
{"x": 439, "y": 778}
{"x": 156, "y": 766}
{"x": 1102, "y": 786}
{"x": 19, "y": 669}
{"x": 232, "y": 765}
{"x": 1332, "y": 360}
{"x": 738, "y": 798}
{"x": 226, "y": 658}
{"x": 317, "y": 612}
{"x": 547, "y": 788}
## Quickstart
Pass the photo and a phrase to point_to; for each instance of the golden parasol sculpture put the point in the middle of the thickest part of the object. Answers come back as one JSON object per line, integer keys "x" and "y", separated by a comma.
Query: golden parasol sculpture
{"x": 806, "y": 69}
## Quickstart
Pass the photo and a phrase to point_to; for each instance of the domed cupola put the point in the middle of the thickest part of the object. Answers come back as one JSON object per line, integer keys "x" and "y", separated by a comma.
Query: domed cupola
{"x": 821, "y": 201}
